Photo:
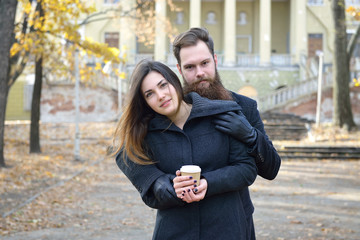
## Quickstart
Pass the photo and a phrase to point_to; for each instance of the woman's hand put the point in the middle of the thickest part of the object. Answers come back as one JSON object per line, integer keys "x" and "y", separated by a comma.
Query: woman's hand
{"x": 188, "y": 190}
{"x": 197, "y": 193}
{"x": 183, "y": 184}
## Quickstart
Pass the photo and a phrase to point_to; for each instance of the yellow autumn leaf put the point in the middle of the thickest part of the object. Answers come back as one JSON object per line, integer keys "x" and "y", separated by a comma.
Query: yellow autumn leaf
{"x": 114, "y": 51}
{"x": 27, "y": 8}
{"x": 15, "y": 49}
{"x": 122, "y": 75}
{"x": 98, "y": 66}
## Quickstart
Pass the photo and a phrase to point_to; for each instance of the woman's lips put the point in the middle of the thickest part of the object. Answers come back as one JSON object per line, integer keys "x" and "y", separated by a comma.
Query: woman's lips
{"x": 166, "y": 103}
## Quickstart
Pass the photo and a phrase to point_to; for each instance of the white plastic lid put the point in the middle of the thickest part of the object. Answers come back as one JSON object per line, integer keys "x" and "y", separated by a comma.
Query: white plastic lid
{"x": 190, "y": 169}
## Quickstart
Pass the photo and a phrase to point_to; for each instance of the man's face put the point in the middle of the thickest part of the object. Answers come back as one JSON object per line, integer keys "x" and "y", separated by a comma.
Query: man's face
{"x": 197, "y": 65}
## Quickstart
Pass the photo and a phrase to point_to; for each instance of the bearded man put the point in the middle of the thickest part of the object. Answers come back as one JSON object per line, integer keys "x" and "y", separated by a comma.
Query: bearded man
{"x": 197, "y": 63}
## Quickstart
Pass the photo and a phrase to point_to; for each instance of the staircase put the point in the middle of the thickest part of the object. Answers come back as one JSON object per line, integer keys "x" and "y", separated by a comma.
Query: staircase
{"x": 285, "y": 126}
{"x": 289, "y": 127}
{"x": 283, "y": 96}
{"x": 319, "y": 152}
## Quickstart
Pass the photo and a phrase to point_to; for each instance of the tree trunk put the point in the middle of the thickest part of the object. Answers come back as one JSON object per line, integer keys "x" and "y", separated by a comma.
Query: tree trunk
{"x": 7, "y": 18}
{"x": 35, "y": 109}
{"x": 341, "y": 73}
{"x": 36, "y": 97}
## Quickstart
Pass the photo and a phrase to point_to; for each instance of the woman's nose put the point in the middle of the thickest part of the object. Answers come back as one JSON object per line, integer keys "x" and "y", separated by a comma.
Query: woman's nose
{"x": 161, "y": 95}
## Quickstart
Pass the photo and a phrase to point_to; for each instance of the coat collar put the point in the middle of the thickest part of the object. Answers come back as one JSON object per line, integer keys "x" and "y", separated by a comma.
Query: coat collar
{"x": 201, "y": 107}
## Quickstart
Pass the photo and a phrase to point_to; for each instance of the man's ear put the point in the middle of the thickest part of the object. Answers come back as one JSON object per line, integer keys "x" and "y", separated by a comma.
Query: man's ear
{"x": 215, "y": 60}
{"x": 179, "y": 68}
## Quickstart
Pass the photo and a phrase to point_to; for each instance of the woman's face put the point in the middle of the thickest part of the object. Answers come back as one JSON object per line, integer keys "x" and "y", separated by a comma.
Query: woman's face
{"x": 159, "y": 94}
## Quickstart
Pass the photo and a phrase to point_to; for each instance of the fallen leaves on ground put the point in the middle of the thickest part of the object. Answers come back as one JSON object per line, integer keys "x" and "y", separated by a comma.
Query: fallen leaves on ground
{"x": 31, "y": 174}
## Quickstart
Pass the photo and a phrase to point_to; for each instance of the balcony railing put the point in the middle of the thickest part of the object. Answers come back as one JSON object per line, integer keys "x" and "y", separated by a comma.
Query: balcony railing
{"x": 242, "y": 60}
{"x": 248, "y": 59}
{"x": 284, "y": 95}
{"x": 352, "y": 2}
{"x": 281, "y": 59}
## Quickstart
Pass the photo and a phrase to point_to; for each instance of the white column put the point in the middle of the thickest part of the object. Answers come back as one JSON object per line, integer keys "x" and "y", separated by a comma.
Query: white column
{"x": 230, "y": 33}
{"x": 160, "y": 34}
{"x": 127, "y": 33}
{"x": 298, "y": 35}
{"x": 195, "y": 13}
{"x": 265, "y": 32}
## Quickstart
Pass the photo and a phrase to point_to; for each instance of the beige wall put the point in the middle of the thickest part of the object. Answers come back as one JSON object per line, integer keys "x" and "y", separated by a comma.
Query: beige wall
{"x": 216, "y": 30}
{"x": 319, "y": 20}
{"x": 184, "y": 7}
{"x": 280, "y": 26}
{"x": 256, "y": 26}
{"x": 96, "y": 30}
{"x": 245, "y": 32}
{"x": 15, "y": 104}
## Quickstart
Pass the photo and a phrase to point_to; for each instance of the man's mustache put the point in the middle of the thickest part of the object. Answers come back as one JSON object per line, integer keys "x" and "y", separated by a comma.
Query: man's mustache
{"x": 202, "y": 79}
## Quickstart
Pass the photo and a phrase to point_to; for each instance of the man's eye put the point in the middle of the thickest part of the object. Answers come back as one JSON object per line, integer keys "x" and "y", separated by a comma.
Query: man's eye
{"x": 188, "y": 67}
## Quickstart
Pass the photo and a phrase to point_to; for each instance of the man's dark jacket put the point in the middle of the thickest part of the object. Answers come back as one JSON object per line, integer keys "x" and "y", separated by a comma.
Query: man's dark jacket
{"x": 267, "y": 159}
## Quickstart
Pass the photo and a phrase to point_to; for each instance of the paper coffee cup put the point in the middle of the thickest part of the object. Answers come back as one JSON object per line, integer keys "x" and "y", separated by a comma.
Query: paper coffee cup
{"x": 191, "y": 170}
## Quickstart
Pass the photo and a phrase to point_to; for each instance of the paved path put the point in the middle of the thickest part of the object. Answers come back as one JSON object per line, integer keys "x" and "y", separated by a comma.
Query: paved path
{"x": 308, "y": 200}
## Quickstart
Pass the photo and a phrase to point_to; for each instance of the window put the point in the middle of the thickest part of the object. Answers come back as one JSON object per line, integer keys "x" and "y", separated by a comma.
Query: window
{"x": 211, "y": 18}
{"x": 112, "y": 39}
{"x": 242, "y": 18}
{"x": 315, "y": 43}
{"x": 179, "y": 18}
{"x": 110, "y": 2}
{"x": 315, "y": 2}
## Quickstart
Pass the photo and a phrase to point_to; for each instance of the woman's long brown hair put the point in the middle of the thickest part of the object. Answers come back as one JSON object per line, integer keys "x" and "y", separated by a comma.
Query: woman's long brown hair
{"x": 132, "y": 127}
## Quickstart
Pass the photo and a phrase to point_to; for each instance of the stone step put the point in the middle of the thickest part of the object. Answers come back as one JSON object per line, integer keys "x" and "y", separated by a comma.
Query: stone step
{"x": 285, "y": 126}
{"x": 319, "y": 152}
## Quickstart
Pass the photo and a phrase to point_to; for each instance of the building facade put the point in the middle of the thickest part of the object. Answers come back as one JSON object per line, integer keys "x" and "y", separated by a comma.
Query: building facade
{"x": 245, "y": 32}
{"x": 262, "y": 45}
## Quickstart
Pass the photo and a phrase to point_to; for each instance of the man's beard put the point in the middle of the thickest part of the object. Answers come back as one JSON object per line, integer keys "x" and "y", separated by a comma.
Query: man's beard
{"x": 215, "y": 90}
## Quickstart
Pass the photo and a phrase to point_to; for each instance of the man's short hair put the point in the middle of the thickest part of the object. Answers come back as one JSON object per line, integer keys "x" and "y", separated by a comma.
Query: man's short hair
{"x": 191, "y": 38}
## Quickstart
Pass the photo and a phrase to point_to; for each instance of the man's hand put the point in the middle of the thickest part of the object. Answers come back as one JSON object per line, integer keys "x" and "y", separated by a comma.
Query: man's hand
{"x": 237, "y": 126}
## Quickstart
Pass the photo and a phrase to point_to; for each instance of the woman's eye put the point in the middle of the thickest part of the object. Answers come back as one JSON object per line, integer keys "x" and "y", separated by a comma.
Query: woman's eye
{"x": 148, "y": 95}
{"x": 164, "y": 84}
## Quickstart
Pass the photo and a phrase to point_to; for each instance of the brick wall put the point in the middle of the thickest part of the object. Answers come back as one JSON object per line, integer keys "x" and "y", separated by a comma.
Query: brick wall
{"x": 96, "y": 104}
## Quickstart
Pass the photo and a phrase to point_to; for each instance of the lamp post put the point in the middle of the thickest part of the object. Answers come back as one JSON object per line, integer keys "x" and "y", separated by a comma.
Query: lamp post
{"x": 319, "y": 90}
{"x": 77, "y": 99}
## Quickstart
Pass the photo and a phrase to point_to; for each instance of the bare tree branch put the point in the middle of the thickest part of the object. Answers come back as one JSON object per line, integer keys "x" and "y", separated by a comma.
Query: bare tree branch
{"x": 352, "y": 43}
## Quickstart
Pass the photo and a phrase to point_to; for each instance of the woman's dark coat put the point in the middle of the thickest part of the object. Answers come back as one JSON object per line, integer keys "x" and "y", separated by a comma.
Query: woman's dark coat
{"x": 225, "y": 164}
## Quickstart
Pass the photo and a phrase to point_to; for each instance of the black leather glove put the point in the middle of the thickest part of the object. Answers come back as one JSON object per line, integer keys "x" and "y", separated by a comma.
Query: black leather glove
{"x": 236, "y": 125}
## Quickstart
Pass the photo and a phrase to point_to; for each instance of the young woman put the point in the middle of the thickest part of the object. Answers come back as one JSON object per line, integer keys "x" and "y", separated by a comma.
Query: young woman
{"x": 161, "y": 130}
